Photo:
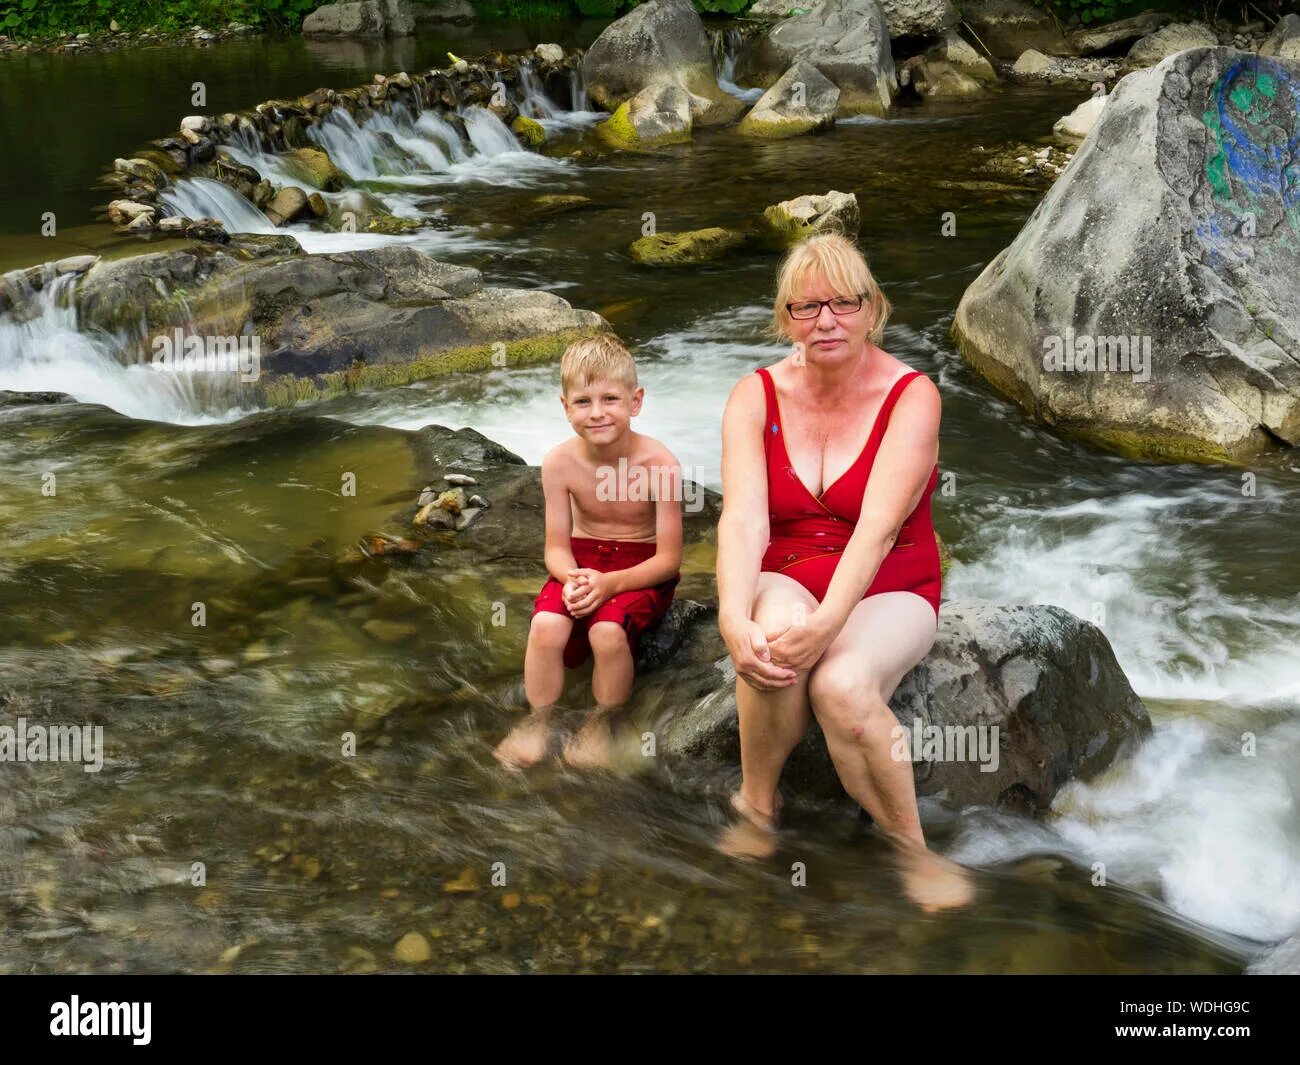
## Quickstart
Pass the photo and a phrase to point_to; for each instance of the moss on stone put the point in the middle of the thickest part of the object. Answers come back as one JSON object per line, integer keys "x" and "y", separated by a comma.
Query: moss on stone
{"x": 775, "y": 129}
{"x": 618, "y": 131}
{"x": 392, "y": 224}
{"x": 161, "y": 160}
{"x": 314, "y": 166}
{"x": 1143, "y": 445}
{"x": 686, "y": 248}
{"x": 287, "y": 390}
{"x": 530, "y": 132}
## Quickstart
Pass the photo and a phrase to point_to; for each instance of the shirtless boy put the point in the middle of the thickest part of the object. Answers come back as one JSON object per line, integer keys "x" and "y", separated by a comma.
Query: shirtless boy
{"x": 613, "y": 550}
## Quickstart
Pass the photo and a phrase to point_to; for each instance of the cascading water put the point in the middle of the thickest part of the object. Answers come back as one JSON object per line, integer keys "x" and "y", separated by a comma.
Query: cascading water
{"x": 44, "y": 349}
{"x": 535, "y": 103}
{"x": 489, "y": 135}
{"x": 198, "y": 197}
{"x": 727, "y": 45}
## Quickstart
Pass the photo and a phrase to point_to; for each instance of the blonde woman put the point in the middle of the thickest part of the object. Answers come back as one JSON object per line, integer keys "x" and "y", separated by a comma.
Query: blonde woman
{"x": 828, "y": 568}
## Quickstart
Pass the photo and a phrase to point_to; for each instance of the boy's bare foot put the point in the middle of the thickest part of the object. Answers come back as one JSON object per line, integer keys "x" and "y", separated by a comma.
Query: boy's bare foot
{"x": 590, "y": 747}
{"x": 932, "y": 881}
{"x": 526, "y": 745}
{"x": 752, "y": 836}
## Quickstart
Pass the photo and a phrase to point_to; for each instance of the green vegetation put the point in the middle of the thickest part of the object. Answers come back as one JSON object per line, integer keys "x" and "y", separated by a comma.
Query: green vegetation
{"x": 41, "y": 19}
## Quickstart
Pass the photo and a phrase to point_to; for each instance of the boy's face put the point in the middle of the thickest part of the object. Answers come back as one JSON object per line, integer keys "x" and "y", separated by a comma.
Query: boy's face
{"x": 601, "y": 411}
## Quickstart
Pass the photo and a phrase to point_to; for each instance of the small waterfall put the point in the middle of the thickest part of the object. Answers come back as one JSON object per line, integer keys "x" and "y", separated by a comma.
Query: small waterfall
{"x": 42, "y": 349}
{"x": 534, "y": 103}
{"x": 578, "y": 91}
{"x": 387, "y": 147}
{"x": 198, "y": 197}
{"x": 727, "y": 45}
{"x": 443, "y": 134}
{"x": 489, "y": 135}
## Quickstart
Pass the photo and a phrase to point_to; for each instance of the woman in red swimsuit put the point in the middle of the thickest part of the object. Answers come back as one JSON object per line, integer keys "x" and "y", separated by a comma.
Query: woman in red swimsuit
{"x": 828, "y": 569}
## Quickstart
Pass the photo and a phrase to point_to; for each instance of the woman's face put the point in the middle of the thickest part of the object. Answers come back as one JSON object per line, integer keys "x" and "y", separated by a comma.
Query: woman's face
{"x": 829, "y": 335}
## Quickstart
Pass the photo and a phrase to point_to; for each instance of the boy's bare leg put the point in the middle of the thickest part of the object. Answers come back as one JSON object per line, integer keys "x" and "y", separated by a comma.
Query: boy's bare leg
{"x": 611, "y": 684}
{"x": 528, "y": 741}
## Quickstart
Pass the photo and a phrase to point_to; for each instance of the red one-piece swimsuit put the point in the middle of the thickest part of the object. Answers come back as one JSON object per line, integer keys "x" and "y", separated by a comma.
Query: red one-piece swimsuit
{"x": 809, "y": 533}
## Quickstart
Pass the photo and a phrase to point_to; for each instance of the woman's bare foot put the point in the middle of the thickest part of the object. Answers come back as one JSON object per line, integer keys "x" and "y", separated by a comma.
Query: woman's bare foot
{"x": 590, "y": 747}
{"x": 526, "y": 745}
{"x": 752, "y": 836}
{"x": 932, "y": 881}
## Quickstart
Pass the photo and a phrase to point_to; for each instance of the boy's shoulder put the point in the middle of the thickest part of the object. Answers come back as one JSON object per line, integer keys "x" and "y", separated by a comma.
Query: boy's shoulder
{"x": 652, "y": 451}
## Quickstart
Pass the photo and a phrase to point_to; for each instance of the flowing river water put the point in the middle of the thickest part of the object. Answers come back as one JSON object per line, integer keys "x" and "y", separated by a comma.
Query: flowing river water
{"x": 222, "y": 742}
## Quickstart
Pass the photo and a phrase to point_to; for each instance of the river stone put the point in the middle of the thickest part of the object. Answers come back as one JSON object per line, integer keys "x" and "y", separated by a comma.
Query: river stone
{"x": 1037, "y": 66}
{"x": 919, "y": 18}
{"x": 76, "y": 264}
{"x": 928, "y": 75}
{"x": 289, "y": 203}
{"x": 791, "y": 221}
{"x": 1147, "y": 233}
{"x": 1046, "y": 679}
{"x": 686, "y": 248}
{"x": 847, "y": 40}
{"x": 1284, "y": 41}
{"x": 660, "y": 42}
{"x": 778, "y": 113}
{"x": 328, "y": 324}
{"x": 657, "y": 115}
{"x": 549, "y": 53}
{"x": 1095, "y": 40}
{"x": 954, "y": 50}
{"x": 1079, "y": 122}
{"x": 1008, "y": 27}
{"x": 1167, "y": 41}
{"x": 366, "y": 18}
{"x": 314, "y": 166}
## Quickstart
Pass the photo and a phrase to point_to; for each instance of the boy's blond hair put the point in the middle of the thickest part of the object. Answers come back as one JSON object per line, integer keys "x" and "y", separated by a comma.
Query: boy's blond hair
{"x": 597, "y": 358}
{"x": 837, "y": 259}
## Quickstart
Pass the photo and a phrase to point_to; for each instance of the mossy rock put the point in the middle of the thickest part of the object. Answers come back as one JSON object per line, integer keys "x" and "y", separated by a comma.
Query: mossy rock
{"x": 161, "y": 160}
{"x": 529, "y": 131}
{"x": 552, "y": 204}
{"x": 618, "y": 132}
{"x": 288, "y": 390}
{"x": 314, "y": 166}
{"x": 687, "y": 248}
{"x": 392, "y": 225}
{"x": 775, "y": 129}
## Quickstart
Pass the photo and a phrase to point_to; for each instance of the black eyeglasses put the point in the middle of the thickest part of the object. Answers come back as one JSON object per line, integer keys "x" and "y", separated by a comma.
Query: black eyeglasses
{"x": 805, "y": 309}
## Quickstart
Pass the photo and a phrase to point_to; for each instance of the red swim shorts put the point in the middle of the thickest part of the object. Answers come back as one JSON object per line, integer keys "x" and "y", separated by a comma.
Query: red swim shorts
{"x": 634, "y": 610}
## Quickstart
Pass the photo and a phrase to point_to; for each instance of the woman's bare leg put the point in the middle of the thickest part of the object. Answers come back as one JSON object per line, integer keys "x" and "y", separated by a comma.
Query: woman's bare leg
{"x": 771, "y": 724}
{"x": 849, "y": 689}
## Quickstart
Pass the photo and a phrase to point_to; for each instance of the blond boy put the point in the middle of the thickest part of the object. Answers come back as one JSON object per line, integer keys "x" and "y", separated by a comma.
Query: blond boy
{"x": 613, "y": 551}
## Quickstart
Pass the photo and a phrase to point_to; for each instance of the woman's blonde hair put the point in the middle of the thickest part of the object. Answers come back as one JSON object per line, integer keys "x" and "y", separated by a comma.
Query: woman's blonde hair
{"x": 597, "y": 358}
{"x": 837, "y": 259}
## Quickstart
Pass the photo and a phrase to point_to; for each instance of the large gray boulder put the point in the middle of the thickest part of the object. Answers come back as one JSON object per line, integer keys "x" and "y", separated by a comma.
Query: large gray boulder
{"x": 364, "y": 18}
{"x": 326, "y": 324}
{"x": 661, "y": 42}
{"x": 847, "y": 40}
{"x": 801, "y": 101}
{"x": 1149, "y": 303}
{"x": 1009, "y": 27}
{"x": 1039, "y": 682}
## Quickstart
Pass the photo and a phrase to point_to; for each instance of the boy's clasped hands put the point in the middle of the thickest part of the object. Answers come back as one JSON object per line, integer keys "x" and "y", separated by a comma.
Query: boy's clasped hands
{"x": 585, "y": 590}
